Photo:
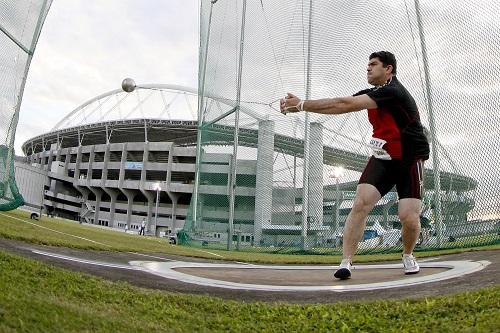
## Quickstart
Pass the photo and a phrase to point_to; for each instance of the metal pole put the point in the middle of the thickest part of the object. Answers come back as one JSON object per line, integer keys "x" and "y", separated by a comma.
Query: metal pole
{"x": 232, "y": 180}
{"x": 432, "y": 125}
{"x": 337, "y": 201}
{"x": 201, "y": 93}
{"x": 11, "y": 132}
{"x": 305, "y": 183}
{"x": 156, "y": 210}
{"x": 41, "y": 204}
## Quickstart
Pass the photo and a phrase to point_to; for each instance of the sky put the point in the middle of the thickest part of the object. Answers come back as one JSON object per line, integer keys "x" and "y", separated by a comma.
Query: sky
{"x": 87, "y": 48}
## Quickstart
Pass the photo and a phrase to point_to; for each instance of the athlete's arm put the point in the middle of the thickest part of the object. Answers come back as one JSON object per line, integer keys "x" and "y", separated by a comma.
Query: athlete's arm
{"x": 327, "y": 105}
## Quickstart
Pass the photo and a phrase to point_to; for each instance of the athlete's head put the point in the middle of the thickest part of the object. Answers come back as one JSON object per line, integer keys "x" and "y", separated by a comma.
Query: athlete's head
{"x": 381, "y": 66}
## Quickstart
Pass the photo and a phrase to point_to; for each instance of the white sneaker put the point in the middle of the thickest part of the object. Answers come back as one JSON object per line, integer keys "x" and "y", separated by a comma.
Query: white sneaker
{"x": 410, "y": 264}
{"x": 344, "y": 271}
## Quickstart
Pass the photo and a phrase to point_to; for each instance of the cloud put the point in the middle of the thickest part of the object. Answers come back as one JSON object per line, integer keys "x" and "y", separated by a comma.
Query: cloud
{"x": 88, "y": 47}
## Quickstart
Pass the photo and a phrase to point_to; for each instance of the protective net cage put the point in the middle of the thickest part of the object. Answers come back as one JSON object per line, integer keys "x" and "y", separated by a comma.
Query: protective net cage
{"x": 286, "y": 183}
{"x": 20, "y": 25}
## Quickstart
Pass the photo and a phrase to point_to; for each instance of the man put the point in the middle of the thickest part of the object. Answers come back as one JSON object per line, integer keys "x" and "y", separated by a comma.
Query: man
{"x": 399, "y": 149}
{"x": 142, "y": 231}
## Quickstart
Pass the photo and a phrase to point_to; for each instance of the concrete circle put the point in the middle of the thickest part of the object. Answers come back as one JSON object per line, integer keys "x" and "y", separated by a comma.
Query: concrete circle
{"x": 305, "y": 278}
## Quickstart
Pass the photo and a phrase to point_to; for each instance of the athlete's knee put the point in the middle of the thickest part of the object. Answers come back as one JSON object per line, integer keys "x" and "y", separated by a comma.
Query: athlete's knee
{"x": 361, "y": 206}
{"x": 409, "y": 211}
{"x": 366, "y": 197}
{"x": 409, "y": 217}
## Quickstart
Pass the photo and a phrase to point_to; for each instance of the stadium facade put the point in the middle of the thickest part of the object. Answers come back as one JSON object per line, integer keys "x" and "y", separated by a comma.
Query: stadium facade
{"x": 111, "y": 171}
{"x": 113, "y": 182}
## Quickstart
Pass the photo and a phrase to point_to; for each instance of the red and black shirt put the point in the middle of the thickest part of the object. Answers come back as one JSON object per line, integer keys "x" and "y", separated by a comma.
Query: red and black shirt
{"x": 397, "y": 121}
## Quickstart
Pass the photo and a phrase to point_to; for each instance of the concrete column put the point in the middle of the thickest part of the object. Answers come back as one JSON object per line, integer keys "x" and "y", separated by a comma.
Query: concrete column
{"x": 41, "y": 158}
{"x": 58, "y": 154}
{"x": 49, "y": 162}
{"x": 66, "y": 162}
{"x": 151, "y": 202}
{"x": 97, "y": 192}
{"x": 174, "y": 198}
{"x": 151, "y": 205}
{"x": 78, "y": 162}
{"x": 91, "y": 162}
{"x": 130, "y": 202}
{"x": 169, "y": 165}
{"x": 174, "y": 214}
{"x": 128, "y": 193}
{"x": 122, "y": 165}
{"x": 145, "y": 155}
{"x": 264, "y": 178}
{"x": 150, "y": 196}
{"x": 85, "y": 197}
{"x": 315, "y": 203}
{"x": 105, "y": 164}
{"x": 98, "y": 196}
{"x": 113, "y": 195}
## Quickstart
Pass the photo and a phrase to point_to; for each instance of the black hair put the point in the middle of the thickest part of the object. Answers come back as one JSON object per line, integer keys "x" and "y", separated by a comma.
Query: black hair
{"x": 387, "y": 58}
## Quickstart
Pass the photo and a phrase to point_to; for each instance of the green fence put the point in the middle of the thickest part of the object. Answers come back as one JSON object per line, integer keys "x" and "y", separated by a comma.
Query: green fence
{"x": 270, "y": 182}
{"x": 20, "y": 25}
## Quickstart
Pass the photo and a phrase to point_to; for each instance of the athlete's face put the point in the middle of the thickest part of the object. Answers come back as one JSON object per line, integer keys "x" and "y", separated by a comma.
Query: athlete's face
{"x": 377, "y": 74}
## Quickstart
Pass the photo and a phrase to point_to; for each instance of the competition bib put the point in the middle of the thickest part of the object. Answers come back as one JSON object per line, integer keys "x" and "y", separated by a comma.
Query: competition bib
{"x": 376, "y": 145}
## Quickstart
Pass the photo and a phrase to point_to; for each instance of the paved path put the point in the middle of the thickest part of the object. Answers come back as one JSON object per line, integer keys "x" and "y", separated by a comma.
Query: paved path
{"x": 311, "y": 284}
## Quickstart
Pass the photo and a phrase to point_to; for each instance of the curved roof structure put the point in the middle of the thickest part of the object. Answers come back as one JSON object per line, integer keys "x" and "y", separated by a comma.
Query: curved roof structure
{"x": 159, "y": 101}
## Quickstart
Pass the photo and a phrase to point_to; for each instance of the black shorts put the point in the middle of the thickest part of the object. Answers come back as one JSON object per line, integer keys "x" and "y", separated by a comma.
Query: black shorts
{"x": 408, "y": 177}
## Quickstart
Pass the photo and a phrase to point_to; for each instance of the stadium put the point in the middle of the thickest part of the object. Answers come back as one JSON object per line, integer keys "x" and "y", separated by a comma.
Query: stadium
{"x": 121, "y": 158}
{"x": 256, "y": 199}
{"x": 106, "y": 161}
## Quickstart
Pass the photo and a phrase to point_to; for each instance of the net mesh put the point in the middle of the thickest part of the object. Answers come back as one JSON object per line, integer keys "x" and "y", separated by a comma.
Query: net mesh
{"x": 285, "y": 198}
{"x": 20, "y": 25}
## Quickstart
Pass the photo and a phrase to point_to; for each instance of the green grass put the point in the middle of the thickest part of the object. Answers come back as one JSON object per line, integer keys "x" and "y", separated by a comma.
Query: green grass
{"x": 37, "y": 297}
{"x": 58, "y": 232}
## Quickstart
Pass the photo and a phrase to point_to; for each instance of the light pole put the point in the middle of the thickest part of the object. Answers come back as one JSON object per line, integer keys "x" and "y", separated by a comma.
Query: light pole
{"x": 157, "y": 188}
{"x": 337, "y": 173}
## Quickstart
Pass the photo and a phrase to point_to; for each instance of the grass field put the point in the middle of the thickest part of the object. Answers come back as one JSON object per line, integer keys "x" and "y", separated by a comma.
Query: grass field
{"x": 36, "y": 297}
{"x": 56, "y": 232}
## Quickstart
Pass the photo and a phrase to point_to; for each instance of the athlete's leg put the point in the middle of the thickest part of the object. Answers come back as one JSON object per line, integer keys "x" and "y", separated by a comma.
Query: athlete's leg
{"x": 367, "y": 196}
{"x": 409, "y": 215}
{"x": 410, "y": 187}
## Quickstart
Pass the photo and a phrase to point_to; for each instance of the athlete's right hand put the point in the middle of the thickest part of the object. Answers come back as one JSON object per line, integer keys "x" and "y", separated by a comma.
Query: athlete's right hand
{"x": 289, "y": 104}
